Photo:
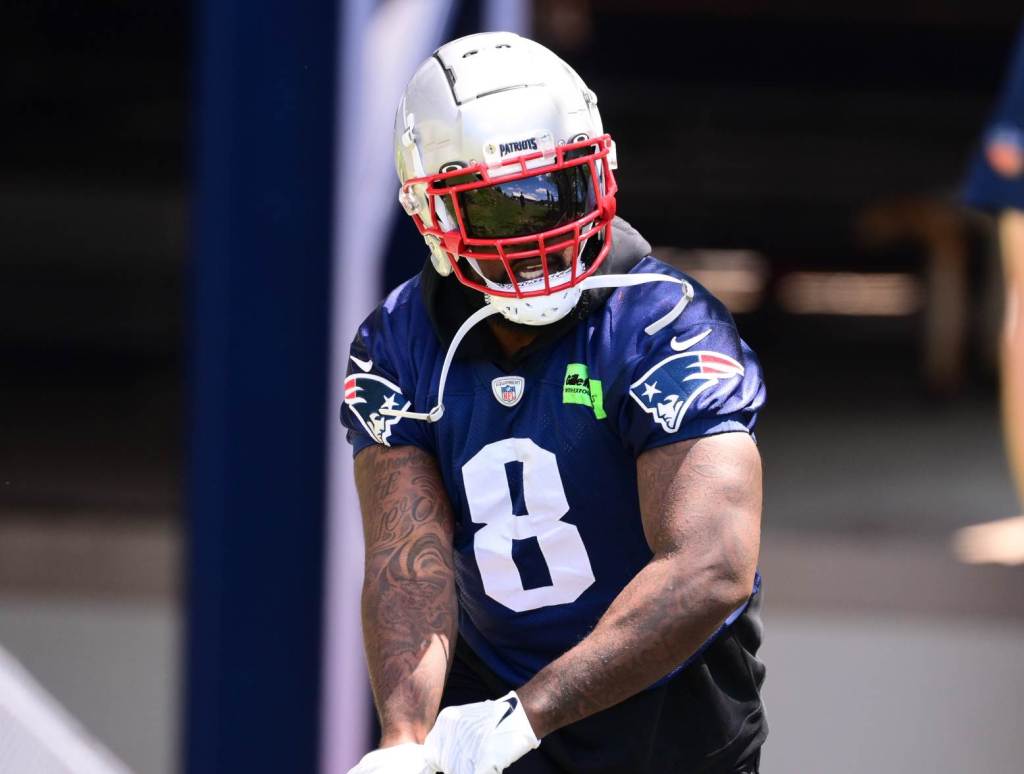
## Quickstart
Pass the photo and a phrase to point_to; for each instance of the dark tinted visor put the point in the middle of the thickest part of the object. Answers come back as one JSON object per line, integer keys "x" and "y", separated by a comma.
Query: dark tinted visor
{"x": 530, "y": 205}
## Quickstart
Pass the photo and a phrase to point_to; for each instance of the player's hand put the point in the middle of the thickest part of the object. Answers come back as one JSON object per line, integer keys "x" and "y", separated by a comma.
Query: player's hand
{"x": 401, "y": 759}
{"x": 481, "y": 738}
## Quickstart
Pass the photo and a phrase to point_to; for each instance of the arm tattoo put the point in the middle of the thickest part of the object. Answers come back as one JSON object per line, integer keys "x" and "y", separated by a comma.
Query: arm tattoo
{"x": 410, "y": 611}
{"x": 701, "y": 504}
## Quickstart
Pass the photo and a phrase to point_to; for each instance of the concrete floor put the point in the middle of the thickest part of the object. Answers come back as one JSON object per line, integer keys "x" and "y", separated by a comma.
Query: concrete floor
{"x": 112, "y": 664}
{"x": 849, "y": 694}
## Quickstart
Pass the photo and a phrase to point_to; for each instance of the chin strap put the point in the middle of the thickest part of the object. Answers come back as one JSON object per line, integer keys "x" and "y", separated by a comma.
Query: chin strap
{"x": 590, "y": 283}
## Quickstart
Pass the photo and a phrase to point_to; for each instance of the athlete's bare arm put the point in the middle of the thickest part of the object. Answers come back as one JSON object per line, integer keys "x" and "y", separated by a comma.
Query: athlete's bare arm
{"x": 701, "y": 507}
{"x": 1011, "y": 239}
{"x": 410, "y": 611}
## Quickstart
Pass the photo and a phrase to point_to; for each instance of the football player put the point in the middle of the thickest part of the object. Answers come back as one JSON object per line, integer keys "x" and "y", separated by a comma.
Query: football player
{"x": 996, "y": 184}
{"x": 560, "y": 492}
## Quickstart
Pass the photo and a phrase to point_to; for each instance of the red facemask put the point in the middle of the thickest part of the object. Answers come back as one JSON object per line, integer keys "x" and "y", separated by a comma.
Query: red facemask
{"x": 530, "y": 220}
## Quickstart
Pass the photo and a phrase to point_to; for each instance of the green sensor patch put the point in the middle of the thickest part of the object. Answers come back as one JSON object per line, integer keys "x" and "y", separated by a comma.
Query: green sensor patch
{"x": 579, "y": 388}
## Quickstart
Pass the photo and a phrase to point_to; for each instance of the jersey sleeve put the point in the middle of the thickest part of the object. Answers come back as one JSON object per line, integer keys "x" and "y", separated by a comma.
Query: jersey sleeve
{"x": 376, "y": 379}
{"x": 995, "y": 178}
{"x": 696, "y": 381}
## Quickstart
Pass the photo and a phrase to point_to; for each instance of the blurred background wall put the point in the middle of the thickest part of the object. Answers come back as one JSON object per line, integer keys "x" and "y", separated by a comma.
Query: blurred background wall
{"x": 802, "y": 161}
{"x": 93, "y": 239}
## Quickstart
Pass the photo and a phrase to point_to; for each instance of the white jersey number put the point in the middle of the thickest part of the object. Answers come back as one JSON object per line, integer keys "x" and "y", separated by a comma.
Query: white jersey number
{"x": 490, "y": 503}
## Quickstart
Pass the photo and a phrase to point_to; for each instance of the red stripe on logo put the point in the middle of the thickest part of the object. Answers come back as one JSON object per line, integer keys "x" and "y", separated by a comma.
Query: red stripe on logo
{"x": 716, "y": 360}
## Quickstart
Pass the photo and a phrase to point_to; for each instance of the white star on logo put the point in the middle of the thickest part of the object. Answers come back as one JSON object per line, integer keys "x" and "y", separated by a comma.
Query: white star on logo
{"x": 389, "y": 402}
{"x": 650, "y": 390}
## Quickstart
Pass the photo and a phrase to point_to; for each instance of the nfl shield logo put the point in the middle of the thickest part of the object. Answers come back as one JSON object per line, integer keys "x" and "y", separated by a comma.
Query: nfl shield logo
{"x": 508, "y": 390}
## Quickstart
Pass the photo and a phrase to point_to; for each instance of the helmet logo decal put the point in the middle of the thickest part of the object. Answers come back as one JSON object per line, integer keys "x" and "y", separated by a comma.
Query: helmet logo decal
{"x": 508, "y": 390}
{"x": 500, "y": 150}
{"x": 517, "y": 146}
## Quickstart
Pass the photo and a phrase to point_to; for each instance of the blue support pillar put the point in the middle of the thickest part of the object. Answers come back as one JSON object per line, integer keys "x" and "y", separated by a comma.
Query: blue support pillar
{"x": 264, "y": 85}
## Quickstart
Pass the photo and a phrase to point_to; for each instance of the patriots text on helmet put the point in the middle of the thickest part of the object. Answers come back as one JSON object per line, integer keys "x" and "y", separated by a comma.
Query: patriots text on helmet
{"x": 518, "y": 146}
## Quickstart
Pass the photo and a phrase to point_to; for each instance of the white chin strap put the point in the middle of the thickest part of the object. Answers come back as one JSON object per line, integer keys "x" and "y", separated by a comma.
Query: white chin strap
{"x": 590, "y": 283}
{"x": 536, "y": 310}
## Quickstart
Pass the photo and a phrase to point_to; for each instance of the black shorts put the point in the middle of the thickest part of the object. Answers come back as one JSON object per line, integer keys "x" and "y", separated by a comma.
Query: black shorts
{"x": 706, "y": 720}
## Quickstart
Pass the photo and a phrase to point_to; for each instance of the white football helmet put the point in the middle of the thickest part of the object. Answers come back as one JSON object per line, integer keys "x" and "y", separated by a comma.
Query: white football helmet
{"x": 507, "y": 172}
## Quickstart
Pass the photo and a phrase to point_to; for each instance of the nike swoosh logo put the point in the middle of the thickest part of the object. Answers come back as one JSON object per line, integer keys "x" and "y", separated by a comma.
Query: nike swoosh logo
{"x": 682, "y": 346}
{"x": 512, "y": 704}
{"x": 366, "y": 365}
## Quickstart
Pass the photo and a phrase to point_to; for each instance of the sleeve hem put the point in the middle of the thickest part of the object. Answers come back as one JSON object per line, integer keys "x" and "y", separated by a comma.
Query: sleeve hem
{"x": 699, "y": 429}
{"x": 361, "y": 442}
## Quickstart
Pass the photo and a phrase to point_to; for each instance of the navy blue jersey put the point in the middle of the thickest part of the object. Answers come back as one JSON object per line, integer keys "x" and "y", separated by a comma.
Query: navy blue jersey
{"x": 540, "y": 461}
{"x": 996, "y": 177}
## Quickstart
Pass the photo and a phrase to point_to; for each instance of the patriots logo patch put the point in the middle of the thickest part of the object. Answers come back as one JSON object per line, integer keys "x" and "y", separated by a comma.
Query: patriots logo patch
{"x": 366, "y": 395}
{"x": 681, "y": 378}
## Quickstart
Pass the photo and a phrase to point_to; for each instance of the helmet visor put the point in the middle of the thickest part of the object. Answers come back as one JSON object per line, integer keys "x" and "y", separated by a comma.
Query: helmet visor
{"x": 529, "y": 205}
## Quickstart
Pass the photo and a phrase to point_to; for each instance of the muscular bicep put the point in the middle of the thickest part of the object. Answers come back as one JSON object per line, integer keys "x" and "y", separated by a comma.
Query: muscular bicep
{"x": 701, "y": 501}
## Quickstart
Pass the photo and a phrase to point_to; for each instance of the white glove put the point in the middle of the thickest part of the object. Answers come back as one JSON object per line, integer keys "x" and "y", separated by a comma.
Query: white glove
{"x": 480, "y": 738}
{"x": 401, "y": 759}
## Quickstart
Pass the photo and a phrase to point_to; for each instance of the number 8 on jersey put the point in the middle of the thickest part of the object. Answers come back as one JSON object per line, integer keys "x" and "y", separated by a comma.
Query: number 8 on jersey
{"x": 490, "y": 503}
